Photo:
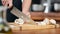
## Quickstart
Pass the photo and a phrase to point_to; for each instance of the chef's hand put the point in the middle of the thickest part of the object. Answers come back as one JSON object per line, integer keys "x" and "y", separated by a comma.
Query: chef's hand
{"x": 7, "y": 3}
{"x": 27, "y": 13}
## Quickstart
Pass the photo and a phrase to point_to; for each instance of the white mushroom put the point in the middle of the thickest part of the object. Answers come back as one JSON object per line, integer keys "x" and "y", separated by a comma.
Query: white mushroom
{"x": 19, "y": 21}
{"x": 41, "y": 23}
{"x": 52, "y": 21}
{"x": 46, "y": 20}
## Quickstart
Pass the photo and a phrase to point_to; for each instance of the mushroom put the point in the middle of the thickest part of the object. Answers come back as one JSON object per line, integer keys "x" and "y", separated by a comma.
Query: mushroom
{"x": 52, "y": 21}
{"x": 19, "y": 21}
{"x": 46, "y": 20}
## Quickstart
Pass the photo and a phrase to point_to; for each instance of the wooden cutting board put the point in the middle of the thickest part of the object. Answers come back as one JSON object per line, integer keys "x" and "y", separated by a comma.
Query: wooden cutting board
{"x": 30, "y": 27}
{"x": 34, "y": 27}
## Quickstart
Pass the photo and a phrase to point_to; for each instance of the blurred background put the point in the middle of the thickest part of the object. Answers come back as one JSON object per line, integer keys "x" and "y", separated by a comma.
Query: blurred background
{"x": 37, "y": 7}
{"x": 37, "y": 4}
{"x": 40, "y": 5}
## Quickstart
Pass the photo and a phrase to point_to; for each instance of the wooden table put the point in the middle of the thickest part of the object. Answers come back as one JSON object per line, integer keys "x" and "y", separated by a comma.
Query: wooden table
{"x": 38, "y": 31}
{"x": 45, "y": 31}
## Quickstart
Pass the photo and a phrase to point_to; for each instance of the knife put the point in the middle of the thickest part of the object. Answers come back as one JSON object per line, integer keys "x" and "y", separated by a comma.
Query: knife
{"x": 19, "y": 14}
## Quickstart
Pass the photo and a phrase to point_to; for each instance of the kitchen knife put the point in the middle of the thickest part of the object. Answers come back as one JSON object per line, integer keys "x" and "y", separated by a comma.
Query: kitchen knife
{"x": 19, "y": 14}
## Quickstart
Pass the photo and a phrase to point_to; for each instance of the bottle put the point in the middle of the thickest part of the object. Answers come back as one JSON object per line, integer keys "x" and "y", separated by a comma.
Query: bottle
{"x": 4, "y": 27}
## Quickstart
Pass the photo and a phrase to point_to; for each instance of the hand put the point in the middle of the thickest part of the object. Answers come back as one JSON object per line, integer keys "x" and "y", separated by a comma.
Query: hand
{"x": 7, "y": 3}
{"x": 10, "y": 4}
{"x": 3, "y": 2}
{"x": 27, "y": 13}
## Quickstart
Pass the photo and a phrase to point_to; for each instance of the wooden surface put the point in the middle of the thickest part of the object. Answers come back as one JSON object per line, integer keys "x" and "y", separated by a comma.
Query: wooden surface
{"x": 37, "y": 31}
{"x": 45, "y": 31}
{"x": 42, "y": 15}
{"x": 31, "y": 27}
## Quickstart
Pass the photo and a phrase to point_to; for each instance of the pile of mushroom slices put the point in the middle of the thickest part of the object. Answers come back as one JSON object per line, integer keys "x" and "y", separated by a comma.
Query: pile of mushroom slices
{"x": 19, "y": 21}
{"x": 47, "y": 21}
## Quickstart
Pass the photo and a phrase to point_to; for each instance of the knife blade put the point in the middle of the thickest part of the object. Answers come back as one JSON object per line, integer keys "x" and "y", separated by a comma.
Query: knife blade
{"x": 19, "y": 14}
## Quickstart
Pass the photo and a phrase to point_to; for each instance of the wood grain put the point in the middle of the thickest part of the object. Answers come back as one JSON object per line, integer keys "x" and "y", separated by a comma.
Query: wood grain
{"x": 31, "y": 27}
{"x": 36, "y": 31}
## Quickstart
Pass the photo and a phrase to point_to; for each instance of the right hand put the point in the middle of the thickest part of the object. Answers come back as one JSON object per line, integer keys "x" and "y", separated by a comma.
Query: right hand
{"x": 7, "y": 3}
{"x": 27, "y": 13}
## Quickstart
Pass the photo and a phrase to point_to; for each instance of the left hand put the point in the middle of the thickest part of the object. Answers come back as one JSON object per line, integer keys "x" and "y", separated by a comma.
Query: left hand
{"x": 7, "y": 3}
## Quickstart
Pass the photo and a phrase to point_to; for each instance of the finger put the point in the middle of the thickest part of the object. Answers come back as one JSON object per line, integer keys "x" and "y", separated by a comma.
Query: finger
{"x": 6, "y": 4}
{"x": 10, "y": 3}
{"x": 3, "y": 2}
{"x": 29, "y": 16}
